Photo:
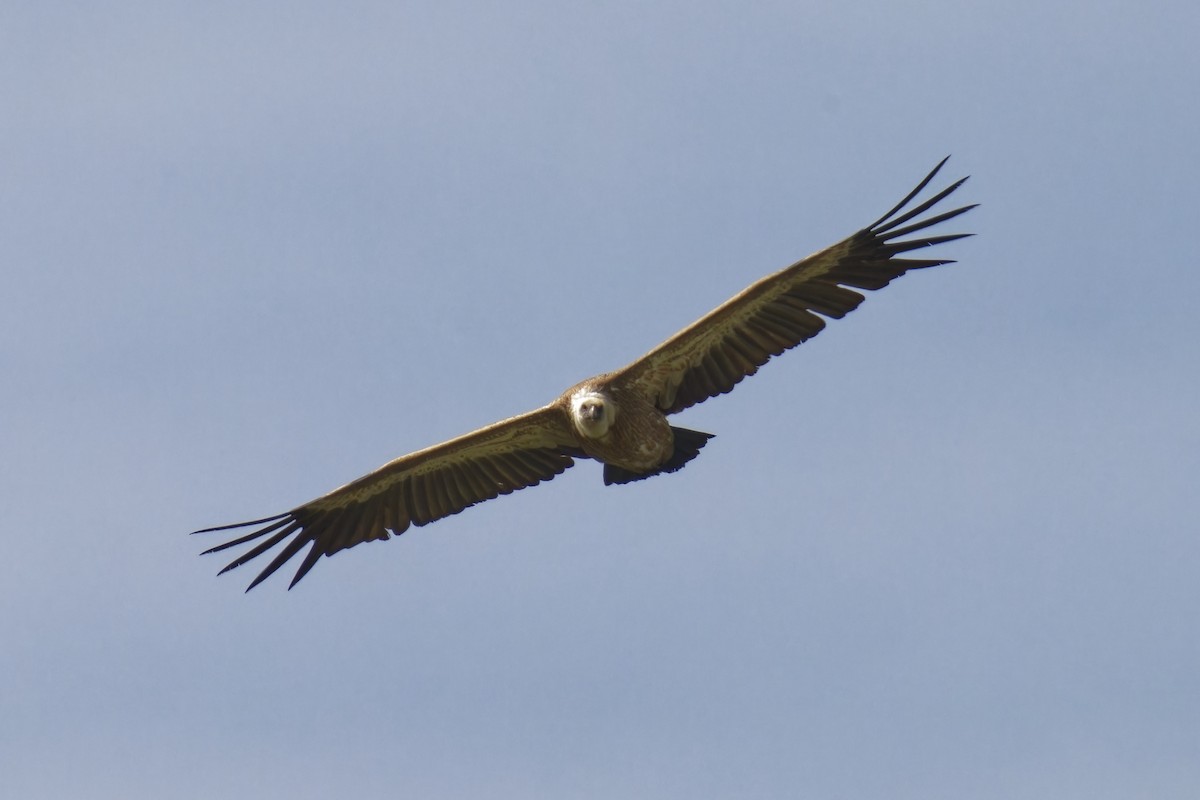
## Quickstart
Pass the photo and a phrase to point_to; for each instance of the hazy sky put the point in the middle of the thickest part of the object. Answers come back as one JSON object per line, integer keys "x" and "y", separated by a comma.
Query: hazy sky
{"x": 948, "y": 549}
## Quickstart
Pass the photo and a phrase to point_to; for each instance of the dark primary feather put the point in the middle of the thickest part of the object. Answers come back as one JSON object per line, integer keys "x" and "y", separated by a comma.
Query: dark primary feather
{"x": 782, "y": 310}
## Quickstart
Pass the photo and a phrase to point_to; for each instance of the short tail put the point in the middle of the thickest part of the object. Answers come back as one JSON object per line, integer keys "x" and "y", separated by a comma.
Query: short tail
{"x": 687, "y": 446}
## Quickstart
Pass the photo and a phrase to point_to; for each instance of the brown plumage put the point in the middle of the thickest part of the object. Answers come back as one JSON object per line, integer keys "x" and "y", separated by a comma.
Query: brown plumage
{"x": 618, "y": 418}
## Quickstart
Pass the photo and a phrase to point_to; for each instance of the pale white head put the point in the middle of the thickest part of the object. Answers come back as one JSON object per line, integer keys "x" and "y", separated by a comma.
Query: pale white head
{"x": 593, "y": 413}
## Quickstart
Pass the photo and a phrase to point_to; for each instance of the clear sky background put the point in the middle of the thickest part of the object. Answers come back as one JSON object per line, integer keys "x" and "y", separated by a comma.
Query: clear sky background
{"x": 250, "y": 251}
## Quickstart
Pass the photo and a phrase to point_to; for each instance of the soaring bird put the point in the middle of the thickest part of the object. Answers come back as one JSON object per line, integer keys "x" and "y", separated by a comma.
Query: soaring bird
{"x": 618, "y": 418}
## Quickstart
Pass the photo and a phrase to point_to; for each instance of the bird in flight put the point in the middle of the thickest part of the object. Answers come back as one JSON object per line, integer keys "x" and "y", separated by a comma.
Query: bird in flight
{"x": 618, "y": 418}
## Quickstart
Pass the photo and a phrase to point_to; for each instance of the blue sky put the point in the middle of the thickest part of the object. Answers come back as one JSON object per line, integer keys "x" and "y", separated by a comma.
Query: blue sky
{"x": 253, "y": 250}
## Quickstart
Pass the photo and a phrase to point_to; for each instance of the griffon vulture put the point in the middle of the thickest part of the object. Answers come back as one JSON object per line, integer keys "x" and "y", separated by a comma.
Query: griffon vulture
{"x": 618, "y": 418}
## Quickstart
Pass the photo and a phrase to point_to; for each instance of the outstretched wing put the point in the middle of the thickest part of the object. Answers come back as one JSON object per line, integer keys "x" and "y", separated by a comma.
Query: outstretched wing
{"x": 780, "y": 311}
{"x": 415, "y": 489}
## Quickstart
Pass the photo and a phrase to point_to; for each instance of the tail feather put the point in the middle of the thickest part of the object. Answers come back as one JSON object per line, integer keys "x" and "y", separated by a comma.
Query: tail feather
{"x": 687, "y": 446}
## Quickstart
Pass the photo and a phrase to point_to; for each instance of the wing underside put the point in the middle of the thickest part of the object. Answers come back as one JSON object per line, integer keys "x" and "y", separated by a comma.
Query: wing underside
{"x": 413, "y": 490}
{"x": 787, "y": 308}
